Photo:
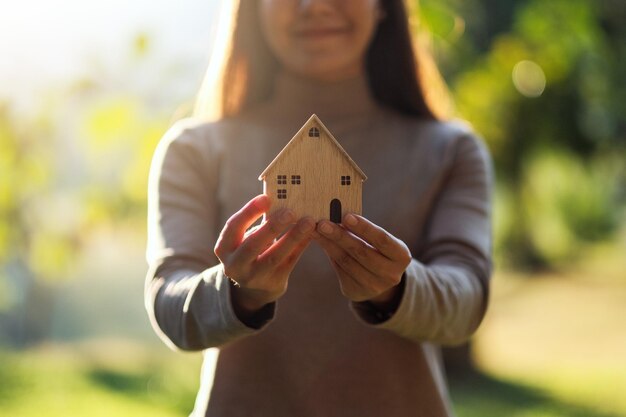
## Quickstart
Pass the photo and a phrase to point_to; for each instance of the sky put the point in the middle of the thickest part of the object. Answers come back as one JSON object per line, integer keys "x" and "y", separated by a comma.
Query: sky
{"x": 48, "y": 42}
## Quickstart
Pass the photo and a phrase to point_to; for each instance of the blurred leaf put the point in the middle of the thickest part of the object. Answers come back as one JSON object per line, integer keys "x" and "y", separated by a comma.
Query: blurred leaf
{"x": 547, "y": 79}
{"x": 558, "y": 32}
{"x": 135, "y": 179}
{"x": 51, "y": 255}
{"x": 141, "y": 44}
{"x": 111, "y": 122}
{"x": 567, "y": 204}
{"x": 440, "y": 20}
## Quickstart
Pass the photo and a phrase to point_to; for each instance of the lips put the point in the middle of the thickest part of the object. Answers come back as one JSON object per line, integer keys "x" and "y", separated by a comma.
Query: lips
{"x": 319, "y": 32}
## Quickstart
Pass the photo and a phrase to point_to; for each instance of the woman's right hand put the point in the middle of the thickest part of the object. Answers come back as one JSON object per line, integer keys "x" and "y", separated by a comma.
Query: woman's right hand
{"x": 257, "y": 263}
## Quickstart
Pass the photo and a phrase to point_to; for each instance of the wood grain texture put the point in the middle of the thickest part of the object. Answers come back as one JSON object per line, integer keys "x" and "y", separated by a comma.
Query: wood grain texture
{"x": 320, "y": 162}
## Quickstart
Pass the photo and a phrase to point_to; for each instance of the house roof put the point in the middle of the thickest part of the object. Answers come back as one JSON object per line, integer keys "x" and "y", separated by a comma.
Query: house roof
{"x": 313, "y": 120}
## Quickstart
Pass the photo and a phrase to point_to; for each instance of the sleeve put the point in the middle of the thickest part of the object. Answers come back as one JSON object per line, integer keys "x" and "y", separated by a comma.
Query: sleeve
{"x": 187, "y": 295}
{"x": 445, "y": 288}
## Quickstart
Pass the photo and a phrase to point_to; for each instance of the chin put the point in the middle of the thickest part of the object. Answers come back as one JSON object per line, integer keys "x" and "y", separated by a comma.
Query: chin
{"x": 327, "y": 68}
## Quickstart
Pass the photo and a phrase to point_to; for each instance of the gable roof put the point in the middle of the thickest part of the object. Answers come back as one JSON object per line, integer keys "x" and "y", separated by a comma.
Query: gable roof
{"x": 313, "y": 120}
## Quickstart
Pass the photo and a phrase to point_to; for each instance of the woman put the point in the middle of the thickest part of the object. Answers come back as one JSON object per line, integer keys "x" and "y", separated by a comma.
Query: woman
{"x": 311, "y": 318}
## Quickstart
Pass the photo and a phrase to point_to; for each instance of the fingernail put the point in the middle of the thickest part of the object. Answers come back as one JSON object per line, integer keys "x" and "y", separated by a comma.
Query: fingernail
{"x": 261, "y": 201}
{"x": 305, "y": 226}
{"x": 350, "y": 220}
{"x": 326, "y": 228}
{"x": 286, "y": 216}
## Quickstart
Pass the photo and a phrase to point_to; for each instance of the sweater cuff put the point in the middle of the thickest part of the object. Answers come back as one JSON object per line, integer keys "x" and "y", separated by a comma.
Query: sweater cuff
{"x": 227, "y": 312}
{"x": 372, "y": 314}
{"x": 259, "y": 318}
{"x": 394, "y": 320}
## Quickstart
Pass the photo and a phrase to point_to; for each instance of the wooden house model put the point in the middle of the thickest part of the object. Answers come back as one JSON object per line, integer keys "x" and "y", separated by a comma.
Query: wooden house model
{"x": 314, "y": 176}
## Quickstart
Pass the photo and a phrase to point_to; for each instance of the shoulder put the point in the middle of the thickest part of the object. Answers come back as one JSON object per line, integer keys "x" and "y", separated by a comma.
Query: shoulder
{"x": 462, "y": 152}
{"x": 442, "y": 147}
{"x": 444, "y": 133}
{"x": 188, "y": 132}
{"x": 199, "y": 132}
{"x": 183, "y": 133}
{"x": 447, "y": 140}
{"x": 196, "y": 138}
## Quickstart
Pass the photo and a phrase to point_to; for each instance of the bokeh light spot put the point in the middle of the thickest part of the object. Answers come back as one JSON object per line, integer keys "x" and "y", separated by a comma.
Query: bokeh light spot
{"x": 529, "y": 79}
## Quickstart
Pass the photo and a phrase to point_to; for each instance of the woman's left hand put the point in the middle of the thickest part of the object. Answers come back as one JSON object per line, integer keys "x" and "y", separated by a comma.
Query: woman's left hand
{"x": 369, "y": 261}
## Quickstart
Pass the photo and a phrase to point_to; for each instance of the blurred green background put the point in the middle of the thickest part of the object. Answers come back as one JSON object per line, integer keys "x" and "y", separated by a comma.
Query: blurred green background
{"x": 86, "y": 91}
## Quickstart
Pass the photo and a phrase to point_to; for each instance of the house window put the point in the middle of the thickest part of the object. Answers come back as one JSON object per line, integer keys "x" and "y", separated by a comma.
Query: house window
{"x": 295, "y": 179}
{"x": 282, "y": 194}
{"x": 314, "y": 132}
{"x": 345, "y": 180}
{"x": 282, "y": 179}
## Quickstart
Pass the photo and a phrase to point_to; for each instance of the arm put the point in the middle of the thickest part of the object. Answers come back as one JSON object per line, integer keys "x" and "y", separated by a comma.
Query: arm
{"x": 192, "y": 304}
{"x": 187, "y": 294}
{"x": 442, "y": 294}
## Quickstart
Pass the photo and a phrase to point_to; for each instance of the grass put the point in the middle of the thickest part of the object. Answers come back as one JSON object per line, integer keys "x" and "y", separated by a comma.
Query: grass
{"x": 550, "y": 346}
{"x": 481, "y": 395}
{"x": 111, "y": 379}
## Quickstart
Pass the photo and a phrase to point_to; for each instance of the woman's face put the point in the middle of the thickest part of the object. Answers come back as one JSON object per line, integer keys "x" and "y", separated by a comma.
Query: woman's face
{"x": 321, "y": 39}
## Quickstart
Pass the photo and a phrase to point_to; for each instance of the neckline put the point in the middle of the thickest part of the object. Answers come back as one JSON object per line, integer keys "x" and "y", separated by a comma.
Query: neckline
{"x": 336, "y": 103}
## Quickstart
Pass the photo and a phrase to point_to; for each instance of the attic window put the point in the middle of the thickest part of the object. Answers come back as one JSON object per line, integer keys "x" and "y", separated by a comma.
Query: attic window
{"x": 314, "y": 132}
{"x": 295, "y": 179}
{"x": 282, "y": 194}
{"x": 345, "y": 180}
{"x": 282, "y": 179}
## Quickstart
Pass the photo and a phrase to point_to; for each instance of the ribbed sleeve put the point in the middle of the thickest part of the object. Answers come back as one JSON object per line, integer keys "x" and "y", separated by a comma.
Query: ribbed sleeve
{"x": 446, "y": 284}
{"x": 187, "y": 294}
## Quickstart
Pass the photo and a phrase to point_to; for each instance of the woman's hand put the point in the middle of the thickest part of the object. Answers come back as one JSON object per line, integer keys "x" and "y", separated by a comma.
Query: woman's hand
{"x": 368, "y": 260}
{"x": 255, "y": 261}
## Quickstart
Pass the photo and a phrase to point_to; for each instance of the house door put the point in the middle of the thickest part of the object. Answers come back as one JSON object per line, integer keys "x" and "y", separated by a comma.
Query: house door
{"x": 335, "y": 211}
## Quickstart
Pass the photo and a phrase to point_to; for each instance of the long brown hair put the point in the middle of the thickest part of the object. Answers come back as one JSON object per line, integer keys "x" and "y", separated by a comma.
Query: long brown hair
{"x": 245, "y": 76}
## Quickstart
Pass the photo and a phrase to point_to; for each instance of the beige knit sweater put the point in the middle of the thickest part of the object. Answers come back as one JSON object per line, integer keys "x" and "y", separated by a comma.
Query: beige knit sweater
{"x": 313, "y": 353}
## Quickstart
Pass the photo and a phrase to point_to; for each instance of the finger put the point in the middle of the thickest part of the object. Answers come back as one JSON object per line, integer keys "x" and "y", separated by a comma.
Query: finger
{"x": 387, "y": 244}
{"x": 278, "y": 253}
{"x": 262, "y": 238}
{"x": 253, "y": 230}
{"x": 356, "y": 283}
{"x": 347, "y": 262}
{"x": 289, "y": 263}
{"x": 234, "y": 229}
{"x": 366, "y": 255}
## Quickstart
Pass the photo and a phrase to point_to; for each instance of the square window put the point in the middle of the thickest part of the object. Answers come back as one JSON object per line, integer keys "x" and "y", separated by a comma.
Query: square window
{"x": 295, "y": 179}
{"x": 282, "y": 179}
{"x": 314, "y": 132}
{"x": 345, "y": 180}
{"x": 282, "y": 194}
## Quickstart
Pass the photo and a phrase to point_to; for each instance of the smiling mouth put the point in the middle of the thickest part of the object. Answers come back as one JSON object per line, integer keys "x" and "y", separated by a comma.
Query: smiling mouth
{"x": 319, "y": 33}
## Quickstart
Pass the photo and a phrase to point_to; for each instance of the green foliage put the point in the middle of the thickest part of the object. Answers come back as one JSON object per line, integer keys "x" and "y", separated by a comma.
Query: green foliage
{"x": 75, "y": 164}
{"x": 558, "y": 33}
{"x": 542, "y": 87}
{"x": 440, "y": 20}
{"x": 118, "y": 130}
{"x": 65, "y": 179}
{"x": 26, "y": 170}
{"x": 568, "y": 204}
